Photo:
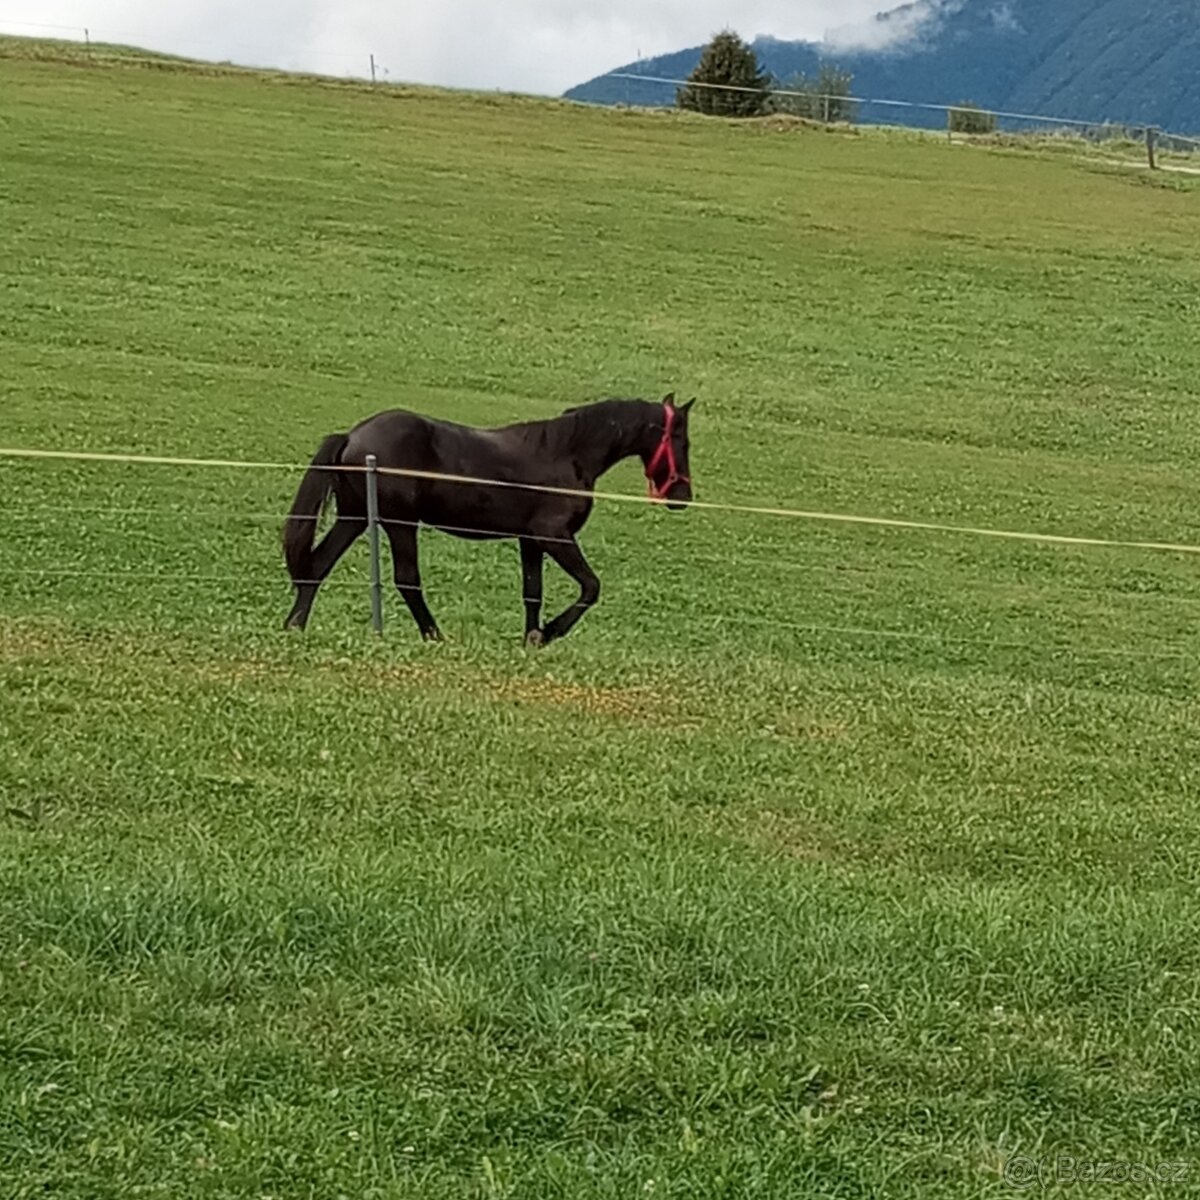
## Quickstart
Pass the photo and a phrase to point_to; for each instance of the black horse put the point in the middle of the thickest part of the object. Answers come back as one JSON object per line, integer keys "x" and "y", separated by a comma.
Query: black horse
{"x": 531, "y": 481}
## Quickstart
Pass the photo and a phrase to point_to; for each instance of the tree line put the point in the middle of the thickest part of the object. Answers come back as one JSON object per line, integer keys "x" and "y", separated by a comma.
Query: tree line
{"x": 729, "y": 81}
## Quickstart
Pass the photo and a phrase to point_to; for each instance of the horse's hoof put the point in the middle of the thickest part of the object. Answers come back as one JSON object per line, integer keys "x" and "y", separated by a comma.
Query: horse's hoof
{"x": 535, "y": 639}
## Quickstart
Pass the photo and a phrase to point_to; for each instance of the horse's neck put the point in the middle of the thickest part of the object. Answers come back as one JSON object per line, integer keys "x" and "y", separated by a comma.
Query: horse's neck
{"x": 604, "y": 458}
{"x": 603, "y": 440}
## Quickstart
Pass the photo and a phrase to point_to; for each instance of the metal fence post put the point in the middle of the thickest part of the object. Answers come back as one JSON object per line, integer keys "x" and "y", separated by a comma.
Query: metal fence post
{"x": 373, "y": 542}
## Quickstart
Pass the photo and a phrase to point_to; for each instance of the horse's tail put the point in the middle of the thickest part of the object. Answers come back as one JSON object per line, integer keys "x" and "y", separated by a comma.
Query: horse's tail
{"x": 300, "y": 528}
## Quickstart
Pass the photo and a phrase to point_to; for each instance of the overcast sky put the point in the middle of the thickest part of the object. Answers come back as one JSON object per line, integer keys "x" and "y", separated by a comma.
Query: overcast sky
{"x": 524, "y": 45}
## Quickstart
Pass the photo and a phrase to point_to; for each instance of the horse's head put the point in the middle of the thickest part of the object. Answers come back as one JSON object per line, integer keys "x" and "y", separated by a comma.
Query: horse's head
{"x": 667, "y": 469}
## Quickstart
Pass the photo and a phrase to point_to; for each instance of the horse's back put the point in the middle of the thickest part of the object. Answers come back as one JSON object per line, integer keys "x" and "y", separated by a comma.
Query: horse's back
{"x": 404, "y": 440}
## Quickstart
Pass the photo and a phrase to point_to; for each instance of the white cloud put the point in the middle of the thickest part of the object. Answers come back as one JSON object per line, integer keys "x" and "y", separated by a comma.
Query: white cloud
{"x": 522, "y": 45}
{"x": 893, "y": 30}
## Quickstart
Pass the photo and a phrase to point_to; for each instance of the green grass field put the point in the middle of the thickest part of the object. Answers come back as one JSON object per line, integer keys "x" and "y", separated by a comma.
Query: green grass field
{"x": 820, "y": 860}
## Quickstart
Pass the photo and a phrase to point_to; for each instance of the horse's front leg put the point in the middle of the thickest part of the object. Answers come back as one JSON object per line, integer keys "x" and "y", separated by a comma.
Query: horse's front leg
{"x": 403, "y": 537}
{"x": 531, "y": 590}
{"x": 569, "y": 556}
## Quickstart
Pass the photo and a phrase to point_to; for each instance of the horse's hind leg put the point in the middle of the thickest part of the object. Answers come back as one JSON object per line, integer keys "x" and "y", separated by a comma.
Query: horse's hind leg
{"x": 569, "y": 556}
{"x": 403, "y": 538}
{"x": 333, "y": 545}
{"x": 531, "y": 584}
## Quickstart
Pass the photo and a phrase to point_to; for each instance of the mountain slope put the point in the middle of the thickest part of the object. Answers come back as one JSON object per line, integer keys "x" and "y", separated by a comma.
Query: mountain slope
{"x": 1101, "y": 60}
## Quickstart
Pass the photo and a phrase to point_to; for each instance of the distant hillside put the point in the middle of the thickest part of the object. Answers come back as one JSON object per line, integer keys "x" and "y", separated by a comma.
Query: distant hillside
{"x": 1119, "y": 60}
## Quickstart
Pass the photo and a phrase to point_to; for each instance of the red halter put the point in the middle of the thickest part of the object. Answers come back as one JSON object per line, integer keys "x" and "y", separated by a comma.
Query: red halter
{"x": 665, "y": 451}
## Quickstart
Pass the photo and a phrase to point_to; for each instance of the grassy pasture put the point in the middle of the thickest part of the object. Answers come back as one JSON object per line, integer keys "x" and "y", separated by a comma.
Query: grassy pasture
{"x": 819, "y": 860}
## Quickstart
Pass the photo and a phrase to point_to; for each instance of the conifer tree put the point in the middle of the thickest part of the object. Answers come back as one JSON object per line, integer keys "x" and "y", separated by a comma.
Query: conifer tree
{"x": 728, "y": 61}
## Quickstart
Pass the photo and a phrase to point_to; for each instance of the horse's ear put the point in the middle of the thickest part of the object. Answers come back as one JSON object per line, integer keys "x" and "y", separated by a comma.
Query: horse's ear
{"x": 688, "y": 406}
{"x": 669, "y": 399}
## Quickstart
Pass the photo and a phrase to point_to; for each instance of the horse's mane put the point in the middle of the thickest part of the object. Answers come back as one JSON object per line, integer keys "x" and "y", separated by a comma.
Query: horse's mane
{"x": 581, "y": 420}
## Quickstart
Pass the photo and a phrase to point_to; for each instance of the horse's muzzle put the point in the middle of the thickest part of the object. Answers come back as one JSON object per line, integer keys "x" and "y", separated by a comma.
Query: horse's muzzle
{"x": 678, "y": 496}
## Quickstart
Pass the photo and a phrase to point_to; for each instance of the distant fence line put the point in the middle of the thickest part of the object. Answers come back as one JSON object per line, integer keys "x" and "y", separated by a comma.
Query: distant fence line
{"x": 1136, "y": 130}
